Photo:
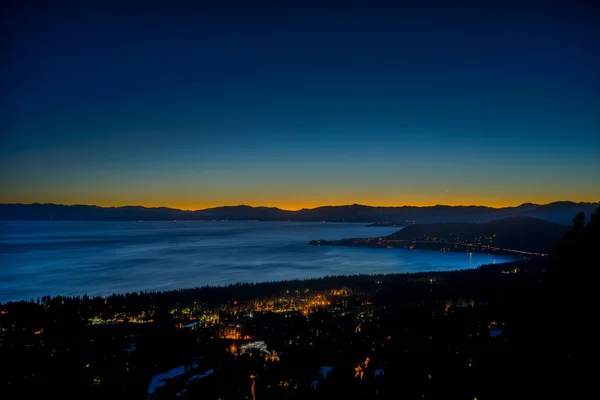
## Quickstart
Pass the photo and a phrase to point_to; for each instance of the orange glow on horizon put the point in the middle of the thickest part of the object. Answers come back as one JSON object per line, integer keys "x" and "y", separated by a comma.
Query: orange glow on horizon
{"x": 311, "y": 205}
{"x": 295, "y": 197}
{"x": 293, "y": 204}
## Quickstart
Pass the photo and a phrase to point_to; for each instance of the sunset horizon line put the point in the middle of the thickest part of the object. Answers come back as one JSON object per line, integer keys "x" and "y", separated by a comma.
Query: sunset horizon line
{"x": 299, "y": 208}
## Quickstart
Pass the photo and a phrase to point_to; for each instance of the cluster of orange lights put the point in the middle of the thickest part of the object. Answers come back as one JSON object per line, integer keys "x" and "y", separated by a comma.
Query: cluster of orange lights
{"x": 359, "y": 370}
{"x": 342, "y": 292}
{"x": 236, "y": 336}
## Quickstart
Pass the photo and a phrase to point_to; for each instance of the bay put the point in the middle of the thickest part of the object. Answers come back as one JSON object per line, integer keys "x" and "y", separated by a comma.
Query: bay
{"x": 100, "y": 258}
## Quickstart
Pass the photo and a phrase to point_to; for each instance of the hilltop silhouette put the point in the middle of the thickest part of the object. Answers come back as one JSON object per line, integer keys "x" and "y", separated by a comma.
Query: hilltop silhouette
{"x": 558, "y": 212}
{"x": 511, "y": 235}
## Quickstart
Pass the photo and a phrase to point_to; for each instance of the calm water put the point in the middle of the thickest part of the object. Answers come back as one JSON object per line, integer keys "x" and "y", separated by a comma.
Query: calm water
{"x": 100, "y": 258}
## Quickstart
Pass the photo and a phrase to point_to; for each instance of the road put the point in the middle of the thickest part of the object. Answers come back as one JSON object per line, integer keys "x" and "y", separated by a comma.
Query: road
{"x": 252, "y": 389}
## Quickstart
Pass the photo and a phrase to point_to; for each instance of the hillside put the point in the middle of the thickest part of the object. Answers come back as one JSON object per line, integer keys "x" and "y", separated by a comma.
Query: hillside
{"x": 512, "y": 235}
{"x": 519, "y": 233}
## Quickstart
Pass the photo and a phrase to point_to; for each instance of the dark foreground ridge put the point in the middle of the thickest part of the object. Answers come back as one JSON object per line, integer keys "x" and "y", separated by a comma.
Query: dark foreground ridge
{"x": 516, "y": 236}
{"x": 558, "y": 212}
{"x": 519, "y": 330}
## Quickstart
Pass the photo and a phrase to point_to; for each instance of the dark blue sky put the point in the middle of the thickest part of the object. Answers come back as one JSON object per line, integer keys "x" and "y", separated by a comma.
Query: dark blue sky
{"x": 274, "y": 104}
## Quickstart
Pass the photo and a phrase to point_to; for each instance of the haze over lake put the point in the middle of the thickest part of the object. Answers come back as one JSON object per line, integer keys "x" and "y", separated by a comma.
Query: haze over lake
{"x": 100, "y": 258}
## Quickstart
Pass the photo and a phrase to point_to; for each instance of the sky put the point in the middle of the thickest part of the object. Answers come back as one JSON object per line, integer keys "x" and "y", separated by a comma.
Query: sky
{"x": 299, "y": 104}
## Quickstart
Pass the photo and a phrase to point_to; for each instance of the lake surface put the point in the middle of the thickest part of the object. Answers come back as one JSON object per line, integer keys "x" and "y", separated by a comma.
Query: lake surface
{"x": 100, "y": 258}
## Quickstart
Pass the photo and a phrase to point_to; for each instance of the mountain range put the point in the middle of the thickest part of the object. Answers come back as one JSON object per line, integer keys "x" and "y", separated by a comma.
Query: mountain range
{"x": 558, "y": 212}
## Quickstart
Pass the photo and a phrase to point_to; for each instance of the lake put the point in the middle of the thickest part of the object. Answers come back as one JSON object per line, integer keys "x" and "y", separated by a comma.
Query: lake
{"x": 101, "y": 258}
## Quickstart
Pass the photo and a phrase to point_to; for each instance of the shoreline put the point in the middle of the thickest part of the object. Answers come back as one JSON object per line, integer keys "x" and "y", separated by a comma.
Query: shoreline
{"x": 328, "y": 280}
{"x": 444, "y": 247}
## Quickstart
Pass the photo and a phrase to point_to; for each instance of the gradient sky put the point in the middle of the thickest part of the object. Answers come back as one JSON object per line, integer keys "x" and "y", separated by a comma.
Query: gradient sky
{"x": 298, "y": 106}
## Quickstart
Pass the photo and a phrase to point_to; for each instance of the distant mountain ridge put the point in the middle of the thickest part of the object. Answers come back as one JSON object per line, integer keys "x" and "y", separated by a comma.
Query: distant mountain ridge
{"x": 558, "y": 212}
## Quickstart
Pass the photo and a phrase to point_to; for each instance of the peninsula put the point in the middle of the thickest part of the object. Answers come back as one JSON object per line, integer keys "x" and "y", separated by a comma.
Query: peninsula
{"x": 517, "y": 235}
